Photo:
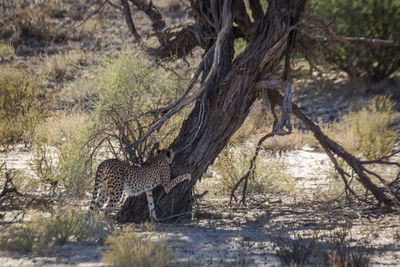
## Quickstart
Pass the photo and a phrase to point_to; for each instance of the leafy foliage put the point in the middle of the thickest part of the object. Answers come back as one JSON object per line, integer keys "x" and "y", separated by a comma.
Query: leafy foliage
{"x": 363, "y": 18}
{"x": 61, "y": 155}
{"x": 129, "y": 90}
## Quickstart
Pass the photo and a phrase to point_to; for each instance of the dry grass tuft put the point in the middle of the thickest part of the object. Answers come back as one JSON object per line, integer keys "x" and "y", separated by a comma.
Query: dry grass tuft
{"x": 22, "y": 105}
{"x": 129, "y": 248}
{"x": 43, "y": 232}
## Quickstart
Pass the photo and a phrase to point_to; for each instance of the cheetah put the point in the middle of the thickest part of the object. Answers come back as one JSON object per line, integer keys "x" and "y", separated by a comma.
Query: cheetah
{"x": 113, "y": 176}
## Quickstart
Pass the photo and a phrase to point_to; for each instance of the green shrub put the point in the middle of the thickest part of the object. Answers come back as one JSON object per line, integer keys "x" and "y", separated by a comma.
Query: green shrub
{"x": 21, "y": 105}
{"x": 44, "y": 232}
{"x": 66, "y": 146}
{"x": 62, "y": 154}
{"x": 363, "y": 18}
{"x": 128, "y": 89}
{"x": 128, "y": 248}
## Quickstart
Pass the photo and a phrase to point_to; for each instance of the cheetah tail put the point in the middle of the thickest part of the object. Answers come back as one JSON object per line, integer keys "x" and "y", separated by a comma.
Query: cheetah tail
{"x": 96, "y": 188}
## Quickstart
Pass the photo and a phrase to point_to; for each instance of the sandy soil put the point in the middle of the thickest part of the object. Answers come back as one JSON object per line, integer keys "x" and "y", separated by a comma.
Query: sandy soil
{"x": 219, "y": 235}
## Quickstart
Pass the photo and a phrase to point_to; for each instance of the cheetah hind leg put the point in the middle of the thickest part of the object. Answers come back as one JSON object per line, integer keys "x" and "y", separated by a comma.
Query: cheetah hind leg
{"x": 150, "y": 202}
{"x": 115, "y": 197}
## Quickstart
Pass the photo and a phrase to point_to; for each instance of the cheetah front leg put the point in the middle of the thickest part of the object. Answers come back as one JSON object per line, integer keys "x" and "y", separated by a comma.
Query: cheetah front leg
{"x": 150, "y": 202}
{"x": 168, "y": 185}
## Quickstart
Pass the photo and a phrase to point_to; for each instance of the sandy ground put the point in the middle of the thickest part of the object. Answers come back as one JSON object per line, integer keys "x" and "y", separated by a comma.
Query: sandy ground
{"x": 219, "y": 235}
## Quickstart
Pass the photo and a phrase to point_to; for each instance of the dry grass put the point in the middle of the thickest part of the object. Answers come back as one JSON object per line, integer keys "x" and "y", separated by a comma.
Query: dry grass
{"x": 329, "y": 248}
{"x": 6, "y": 51}
{"x": 64, "y": 65}
{"x": 41, "y": 20}
{"x": 130, "y": 248}
{"x": 366, "y": 132}
{"x": 43, "y": 232}
{"x": 170, "y": 5}
{"x": 22, "y": 106}
{"x": 59, "y": 128}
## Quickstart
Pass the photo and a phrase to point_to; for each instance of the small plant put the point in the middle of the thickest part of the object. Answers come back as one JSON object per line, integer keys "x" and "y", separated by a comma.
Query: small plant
{"x": 44, "y": 232}
{"x": 333, "y": 249}
{"x": 129, "y": 248}
{"x": 60, "y": 66}
{"x": 341, "y": 253}
{"x": 6, "y": 51}
{"x": 296, "y": 252}
{"x": 39, "y": 20}
{"x": 62, "y": 153}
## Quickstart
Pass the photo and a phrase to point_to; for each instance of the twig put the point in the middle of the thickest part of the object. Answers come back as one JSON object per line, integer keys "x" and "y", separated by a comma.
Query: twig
{"x": 9, "y": 186}
{"x": 114, "y": 5}
{"x": 278, "y": 128}
{"x": 349, "y": 40}
{"x": 382, "y": 159}
{"x": 199, "y": 196}
{"x": 175, "y": 215}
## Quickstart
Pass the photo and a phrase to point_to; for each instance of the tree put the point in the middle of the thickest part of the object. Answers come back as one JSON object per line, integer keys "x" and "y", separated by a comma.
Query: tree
{"x": 230, "y": 86}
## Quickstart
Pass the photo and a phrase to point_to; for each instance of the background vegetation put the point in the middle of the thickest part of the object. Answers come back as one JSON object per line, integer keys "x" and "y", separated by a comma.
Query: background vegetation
{"x": 372, "y": 19}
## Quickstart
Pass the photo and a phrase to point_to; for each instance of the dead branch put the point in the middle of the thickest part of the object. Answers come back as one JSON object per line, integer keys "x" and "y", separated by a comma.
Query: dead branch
{"x": 334, "y": 37}
{"x": 115, "y": 5}
{"x": 384, "y": 195}
{"x": 277, "y": 129}
{"x": 126, "y": 10}
{"x": 158, "y": 24}
{"x": 9, "y": 186}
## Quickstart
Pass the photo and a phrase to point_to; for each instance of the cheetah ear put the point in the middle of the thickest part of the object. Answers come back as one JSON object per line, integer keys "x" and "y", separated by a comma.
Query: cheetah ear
{"x": 170, "y": 155}
{"x": 157, "y": 152}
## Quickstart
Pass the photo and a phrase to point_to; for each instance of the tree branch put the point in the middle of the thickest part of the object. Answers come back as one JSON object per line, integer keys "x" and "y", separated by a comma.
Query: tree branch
{"x": 278, "y": 128}
{"x": 126, "y": 10}
{"x": 334, "y": 37}
{"x": 256, "y": 10}
{"x": 158, "y": 23}
{"x": 385, "y": 195}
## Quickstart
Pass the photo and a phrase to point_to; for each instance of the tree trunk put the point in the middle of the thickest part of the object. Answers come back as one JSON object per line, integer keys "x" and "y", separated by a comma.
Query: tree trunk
{"x": 228, "y": 93}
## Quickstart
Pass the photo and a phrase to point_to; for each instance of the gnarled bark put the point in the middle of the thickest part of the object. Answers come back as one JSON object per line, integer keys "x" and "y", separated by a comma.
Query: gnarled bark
{"x": 229, "y": 88}
{"x": 229, "y": 92}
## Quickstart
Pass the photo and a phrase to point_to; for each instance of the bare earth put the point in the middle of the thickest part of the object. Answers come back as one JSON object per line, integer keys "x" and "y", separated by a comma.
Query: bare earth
{"x": 218, "y": 235}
